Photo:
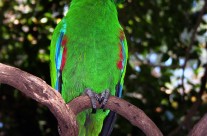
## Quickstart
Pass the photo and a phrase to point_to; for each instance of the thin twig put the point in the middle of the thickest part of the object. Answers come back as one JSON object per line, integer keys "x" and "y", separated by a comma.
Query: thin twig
{"x": 187, "y": 55}
{"x": 195, "y": 106}
{"x": 191, "y": 112}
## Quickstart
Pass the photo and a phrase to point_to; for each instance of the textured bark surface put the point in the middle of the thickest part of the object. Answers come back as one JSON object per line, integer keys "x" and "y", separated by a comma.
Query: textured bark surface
{"x": 133, "y": 114}
{"x": 200, "y": 129}
{"x": 38, "y": 90}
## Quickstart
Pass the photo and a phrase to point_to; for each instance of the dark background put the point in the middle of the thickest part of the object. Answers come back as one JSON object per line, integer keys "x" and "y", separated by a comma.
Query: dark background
{"x": 164, "y": 38}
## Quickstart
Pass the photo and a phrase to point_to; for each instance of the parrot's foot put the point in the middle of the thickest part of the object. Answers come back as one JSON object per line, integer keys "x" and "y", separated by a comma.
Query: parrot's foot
{"x": 101, "y": 98}
{"x": 104, "y": 98}
{"x": 93, "y": 97}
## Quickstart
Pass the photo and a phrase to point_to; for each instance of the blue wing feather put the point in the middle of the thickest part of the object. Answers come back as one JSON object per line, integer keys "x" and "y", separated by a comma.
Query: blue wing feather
{"x": 58, "y": 60}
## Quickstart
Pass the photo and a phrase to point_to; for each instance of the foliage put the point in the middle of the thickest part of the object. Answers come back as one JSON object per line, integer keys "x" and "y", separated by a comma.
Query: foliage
{"x": 161, "y": 41}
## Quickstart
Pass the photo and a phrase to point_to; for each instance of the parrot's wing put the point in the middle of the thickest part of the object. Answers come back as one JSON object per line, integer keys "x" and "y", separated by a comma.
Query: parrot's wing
{"x": 58, "y": 50}
{"x": 111, "y": 117}
{"x": 124, "y": 57}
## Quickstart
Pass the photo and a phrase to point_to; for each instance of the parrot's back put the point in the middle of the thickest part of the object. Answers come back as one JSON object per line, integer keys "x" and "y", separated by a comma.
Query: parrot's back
{"x": 88, "y": 50}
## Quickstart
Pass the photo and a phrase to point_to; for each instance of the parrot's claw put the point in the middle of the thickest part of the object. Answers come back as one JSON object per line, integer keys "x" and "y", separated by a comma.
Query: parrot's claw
{"x": 93, "y": 97}
{"x": 104, "y": 98}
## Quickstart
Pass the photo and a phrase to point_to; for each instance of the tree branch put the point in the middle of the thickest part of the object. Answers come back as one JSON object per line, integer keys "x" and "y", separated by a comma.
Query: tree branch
{"x": 200, "y": 129}
{"x": 38, "y": 90}
{"x": 133, "y": 114}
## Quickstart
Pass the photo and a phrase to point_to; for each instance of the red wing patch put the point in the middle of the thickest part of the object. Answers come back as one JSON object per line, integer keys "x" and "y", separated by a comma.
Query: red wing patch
{"x": 120, "y": 62}
{"x": 63, "y": 44}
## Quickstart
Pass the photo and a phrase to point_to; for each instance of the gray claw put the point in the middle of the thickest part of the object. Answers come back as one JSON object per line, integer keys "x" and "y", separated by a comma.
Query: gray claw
{"x": 104, "y": 98}
{"x": 93, "y": 97}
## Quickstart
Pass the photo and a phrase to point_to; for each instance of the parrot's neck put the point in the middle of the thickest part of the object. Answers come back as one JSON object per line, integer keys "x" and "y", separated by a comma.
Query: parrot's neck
{"x": 94, "y": 4}
{"x": 98, "y": 17}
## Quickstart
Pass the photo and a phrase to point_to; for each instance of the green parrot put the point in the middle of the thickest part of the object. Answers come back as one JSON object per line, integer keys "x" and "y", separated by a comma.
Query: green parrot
{"x": 88, "y": 54}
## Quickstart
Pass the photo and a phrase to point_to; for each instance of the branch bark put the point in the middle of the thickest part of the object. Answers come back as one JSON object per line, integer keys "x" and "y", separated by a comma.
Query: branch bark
{"x": 133, "y": 114}
{"x": 38, "y": 90}
{"x": 200, "y": 129}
